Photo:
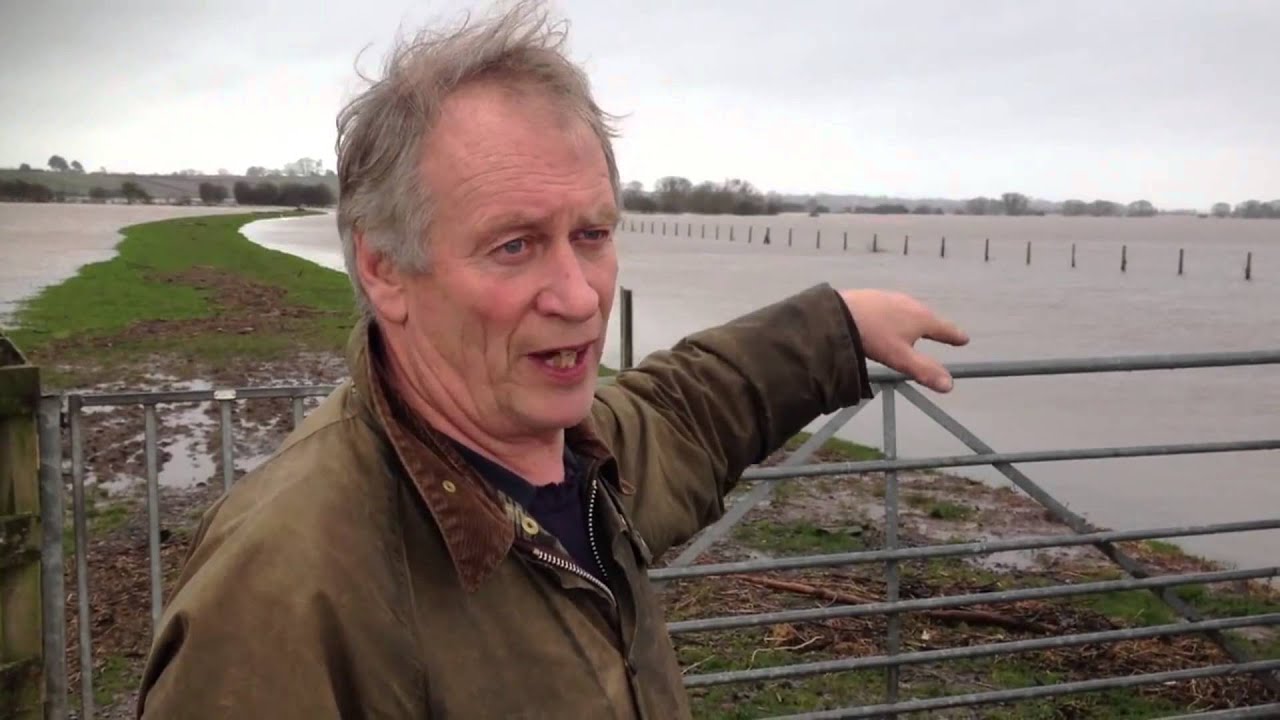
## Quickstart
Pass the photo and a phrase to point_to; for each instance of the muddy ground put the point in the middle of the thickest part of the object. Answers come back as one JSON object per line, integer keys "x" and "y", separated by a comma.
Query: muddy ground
{"x": 804, "y": 517}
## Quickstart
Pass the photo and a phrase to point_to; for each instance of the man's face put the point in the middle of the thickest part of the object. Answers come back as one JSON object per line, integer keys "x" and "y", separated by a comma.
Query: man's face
{"x": 508, "y": 324}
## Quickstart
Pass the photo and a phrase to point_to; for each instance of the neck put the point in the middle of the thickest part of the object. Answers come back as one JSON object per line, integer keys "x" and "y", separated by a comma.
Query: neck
{"x": 539, "y": 459}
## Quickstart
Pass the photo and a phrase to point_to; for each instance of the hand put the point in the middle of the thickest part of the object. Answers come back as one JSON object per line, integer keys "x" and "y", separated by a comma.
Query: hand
{"x": 890, "y": 323}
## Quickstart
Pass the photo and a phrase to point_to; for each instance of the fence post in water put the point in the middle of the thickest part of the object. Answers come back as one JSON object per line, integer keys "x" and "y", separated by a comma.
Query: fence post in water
{"x": 676, "y": 229}
{"x": 846, "y": 239}
{"x": 818, "y": 242}
{"x": 1073, "y": 255}
{"x": 986, "y": 251}
{"x": 730, "y": 233}
{"x": 664, "y": 228}
{"x": 1248, "y": 266}
{"x": 1181, "y": 251}
{"x": 704, "y": 231}
{"x": 1124, "y": 258}
{"x": 750, "y": 232}
{"x": 717, "y": 231}
{"x": 906, "y": 243}
{"x": 625, "y": 328}
{"x": 943, "y": 252}
{"x": 788, "y": 237}
{"x": 875, "y": 242}
{"x": 688, "y": 230}
{"x": 1028, "y": 252}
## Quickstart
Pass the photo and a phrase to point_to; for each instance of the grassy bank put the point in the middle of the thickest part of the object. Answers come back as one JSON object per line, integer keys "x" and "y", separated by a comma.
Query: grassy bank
{"x": 190, "y": 289}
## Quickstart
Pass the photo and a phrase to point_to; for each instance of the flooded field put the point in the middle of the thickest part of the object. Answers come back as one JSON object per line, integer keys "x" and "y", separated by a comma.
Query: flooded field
{"x": 42, "y": 244}
{"x": 1013, "y": 311}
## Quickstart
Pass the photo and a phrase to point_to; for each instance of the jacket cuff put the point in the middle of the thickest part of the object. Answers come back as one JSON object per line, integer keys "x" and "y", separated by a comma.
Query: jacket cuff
{"x": 856, "y": 338}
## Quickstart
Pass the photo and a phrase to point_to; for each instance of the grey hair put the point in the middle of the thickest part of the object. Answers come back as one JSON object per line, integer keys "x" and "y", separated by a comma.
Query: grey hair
{"x": 381, "y": 132}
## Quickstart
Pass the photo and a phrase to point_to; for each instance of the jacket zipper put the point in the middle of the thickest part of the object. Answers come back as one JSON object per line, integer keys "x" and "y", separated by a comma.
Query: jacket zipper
{"x": 561, "y": 563}
{"x": 591, "y": 527}
{"x": 558, "y": 562}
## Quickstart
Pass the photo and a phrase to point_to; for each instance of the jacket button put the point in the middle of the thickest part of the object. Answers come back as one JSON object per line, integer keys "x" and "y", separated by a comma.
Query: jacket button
{"x": 449, "y": 486}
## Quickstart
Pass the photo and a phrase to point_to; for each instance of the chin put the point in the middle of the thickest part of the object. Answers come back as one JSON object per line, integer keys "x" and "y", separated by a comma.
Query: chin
{"x": 563, "y": 409}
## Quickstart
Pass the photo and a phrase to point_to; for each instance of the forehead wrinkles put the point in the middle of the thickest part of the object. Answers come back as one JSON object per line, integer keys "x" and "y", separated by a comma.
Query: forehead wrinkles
{"x": 486, "y": 135}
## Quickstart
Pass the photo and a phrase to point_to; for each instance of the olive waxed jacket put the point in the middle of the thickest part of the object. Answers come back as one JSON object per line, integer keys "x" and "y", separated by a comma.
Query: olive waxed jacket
{"x": 366, "y": 571}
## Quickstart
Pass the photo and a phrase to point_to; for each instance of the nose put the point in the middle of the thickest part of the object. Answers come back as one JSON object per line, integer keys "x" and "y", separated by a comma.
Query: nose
{"x": 568, "y": 293}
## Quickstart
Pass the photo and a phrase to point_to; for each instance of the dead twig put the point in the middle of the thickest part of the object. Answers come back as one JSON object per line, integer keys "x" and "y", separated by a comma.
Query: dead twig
{"x": 972, "y": 617}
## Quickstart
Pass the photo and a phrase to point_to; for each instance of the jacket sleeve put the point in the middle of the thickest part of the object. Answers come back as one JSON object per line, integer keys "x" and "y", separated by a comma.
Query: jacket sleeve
{"x": 686, "y": 422}
{"x": 257, "y": 630}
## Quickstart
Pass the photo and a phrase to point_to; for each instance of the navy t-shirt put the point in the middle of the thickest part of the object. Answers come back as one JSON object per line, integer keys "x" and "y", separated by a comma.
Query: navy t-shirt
{"x": 560, "y": 509}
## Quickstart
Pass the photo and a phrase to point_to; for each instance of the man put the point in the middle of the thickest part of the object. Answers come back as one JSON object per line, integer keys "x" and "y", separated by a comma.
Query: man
{"x": 462, "y": 530}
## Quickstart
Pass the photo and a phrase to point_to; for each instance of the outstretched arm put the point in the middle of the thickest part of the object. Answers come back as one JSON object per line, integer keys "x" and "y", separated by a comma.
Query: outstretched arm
{"x": 687, "y": 421}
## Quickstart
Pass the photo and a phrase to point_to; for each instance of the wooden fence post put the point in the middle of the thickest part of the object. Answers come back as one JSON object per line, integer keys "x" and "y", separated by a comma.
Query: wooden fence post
{"x": 1073, "y": 255}
{"x": 1181, "y": 251}
{"x": 818, "y": 243}
{"x": 1124, "y": 258}
{"x": 1028, "y": 252}
{"x": 875, "y": 243}
{"x": 21, "y": 533}
{"x": 906, "y": 244}
{"x": 986, "y": 251}
{"x": 1248, "y": 266}
{"x": 626, "y": 317}
{"x": 943, "y": 251}
{"x": 846, "y": 239}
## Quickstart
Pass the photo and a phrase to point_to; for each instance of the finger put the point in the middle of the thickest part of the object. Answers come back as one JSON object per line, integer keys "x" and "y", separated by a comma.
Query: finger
{"x": 927, "y": 371}
{"x": 947, "y": 332}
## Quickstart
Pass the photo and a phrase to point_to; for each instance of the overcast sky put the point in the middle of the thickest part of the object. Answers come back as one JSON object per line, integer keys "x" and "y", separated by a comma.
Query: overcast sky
{"x": 1169, "y": 100}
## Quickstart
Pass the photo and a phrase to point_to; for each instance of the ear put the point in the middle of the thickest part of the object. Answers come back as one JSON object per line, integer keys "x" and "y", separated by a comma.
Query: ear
{"x": 382, "y": 282}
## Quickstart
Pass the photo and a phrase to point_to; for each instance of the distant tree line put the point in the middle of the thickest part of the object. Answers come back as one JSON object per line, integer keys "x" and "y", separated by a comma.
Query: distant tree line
{"x": 679, "y": 195}
{"x": 296, "y": 194}
{"x": 897, "y": 209}
{"x": 23, "y": 191}
{"x": 305, "y": 167}
{"x": 1249, "y": 209}
{"x": 131, "y": 191}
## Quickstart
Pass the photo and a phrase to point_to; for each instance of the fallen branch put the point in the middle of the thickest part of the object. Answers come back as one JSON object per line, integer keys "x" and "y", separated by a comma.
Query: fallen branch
{"x": 972, "y": 617}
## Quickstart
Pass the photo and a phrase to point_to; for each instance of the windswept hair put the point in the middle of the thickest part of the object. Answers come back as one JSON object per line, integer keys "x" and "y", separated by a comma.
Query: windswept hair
{"x": 382, "y": 131}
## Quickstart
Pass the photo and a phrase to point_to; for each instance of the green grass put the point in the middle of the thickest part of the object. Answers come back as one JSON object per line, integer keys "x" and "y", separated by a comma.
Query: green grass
{"x": 940, "y": 509}
{"x": 719, "y": 652}
{"x": 1160, "y": 547}
{"x": 795, "y": 538}
{"x": 102, "y": 515}
{"x": 105, "y": 298}
{"x": 1141, "y": 607}
{"x": 841, "y": 449}
{"x": 112, "y": 679}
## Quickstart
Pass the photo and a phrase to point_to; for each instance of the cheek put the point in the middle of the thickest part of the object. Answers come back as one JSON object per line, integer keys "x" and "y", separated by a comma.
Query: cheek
{"x": 498, "y": 320}
{"x": 602, "y": 275}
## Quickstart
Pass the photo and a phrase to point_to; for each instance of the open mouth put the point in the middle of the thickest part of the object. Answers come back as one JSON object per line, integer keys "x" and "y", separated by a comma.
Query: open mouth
{"x": 564, "y": 358}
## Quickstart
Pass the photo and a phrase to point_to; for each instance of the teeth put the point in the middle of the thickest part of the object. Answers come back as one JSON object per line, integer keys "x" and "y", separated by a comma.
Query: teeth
{"x": 563, "y": 360}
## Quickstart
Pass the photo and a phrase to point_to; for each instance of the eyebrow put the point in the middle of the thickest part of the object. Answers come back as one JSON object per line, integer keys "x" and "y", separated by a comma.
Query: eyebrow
{"x": 516, "y": 220}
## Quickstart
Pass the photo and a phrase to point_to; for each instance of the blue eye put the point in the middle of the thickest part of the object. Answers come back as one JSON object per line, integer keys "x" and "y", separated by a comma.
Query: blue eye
{"x": 513, "y": 247}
